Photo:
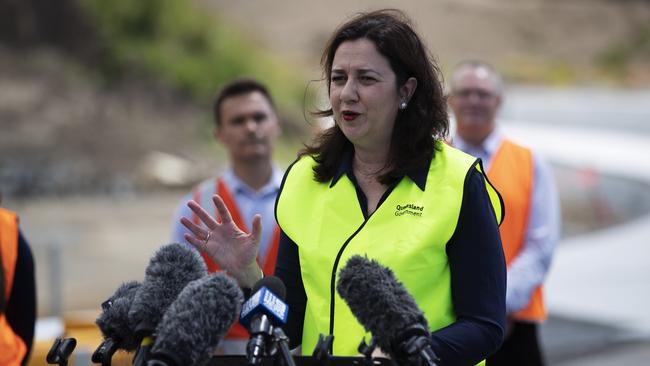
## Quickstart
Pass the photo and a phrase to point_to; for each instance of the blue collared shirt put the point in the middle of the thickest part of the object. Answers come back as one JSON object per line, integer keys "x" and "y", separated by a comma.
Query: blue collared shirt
{"x": 528, "y": 270}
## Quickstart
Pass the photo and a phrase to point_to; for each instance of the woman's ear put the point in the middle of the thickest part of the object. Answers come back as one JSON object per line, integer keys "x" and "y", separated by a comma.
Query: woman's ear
{"x": 407, "y": 89}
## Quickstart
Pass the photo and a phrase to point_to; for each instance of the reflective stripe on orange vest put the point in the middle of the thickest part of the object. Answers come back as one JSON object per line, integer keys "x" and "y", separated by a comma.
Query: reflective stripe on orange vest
{"x": 267, "y": 263}
{"x": 511, "y": 172}
{"x": 12, "y": 347}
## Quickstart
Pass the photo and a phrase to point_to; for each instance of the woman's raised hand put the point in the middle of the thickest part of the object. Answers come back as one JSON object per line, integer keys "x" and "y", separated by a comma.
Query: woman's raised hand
{"x": 226, "y": 244}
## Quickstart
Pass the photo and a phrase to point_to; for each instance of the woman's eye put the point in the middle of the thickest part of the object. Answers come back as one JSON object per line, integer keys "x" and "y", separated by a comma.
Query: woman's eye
{"x": 367, "y": 79}
{"x": 338, "y": 79}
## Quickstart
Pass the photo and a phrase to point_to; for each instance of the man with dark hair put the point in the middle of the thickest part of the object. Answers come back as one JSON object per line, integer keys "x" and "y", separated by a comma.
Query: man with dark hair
{"x": 247, "y": 125}
{"x": 531, "y": 225}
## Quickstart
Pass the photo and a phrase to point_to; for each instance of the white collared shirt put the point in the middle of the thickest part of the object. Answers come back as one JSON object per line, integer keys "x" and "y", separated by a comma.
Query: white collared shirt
{"x": 528, "y": 270}
{"x": 485, "y": 151}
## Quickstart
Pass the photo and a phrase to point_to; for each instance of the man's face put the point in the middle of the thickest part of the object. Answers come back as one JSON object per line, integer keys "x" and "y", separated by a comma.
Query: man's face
{"x": 474, "y": 101}
{"x": 249, "y": 127}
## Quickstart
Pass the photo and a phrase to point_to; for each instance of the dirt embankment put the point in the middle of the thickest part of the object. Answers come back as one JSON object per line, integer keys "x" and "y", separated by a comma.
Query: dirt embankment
{"x": 557, "y": 41}
{"x": 64, "y": 132}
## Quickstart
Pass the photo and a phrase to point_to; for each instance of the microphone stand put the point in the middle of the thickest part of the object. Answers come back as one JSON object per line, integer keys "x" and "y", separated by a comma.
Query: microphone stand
{"x": 143, "y": 353}
{"x": 145, "y": 331}
{"x": 414, "y": 344}
{"x": 323, "y": 347}
{"x": 60, "y": 351}
{"x": 282, "y": 341}
{"x": 255, "y": 348}
{"x": 366, "y": 350}
{"x": 104, "y": 353}
{"x": 421, "y": 347}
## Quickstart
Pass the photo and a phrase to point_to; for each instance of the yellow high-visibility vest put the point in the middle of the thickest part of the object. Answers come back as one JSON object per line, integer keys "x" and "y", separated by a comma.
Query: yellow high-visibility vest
{"x": 407, "y": 233}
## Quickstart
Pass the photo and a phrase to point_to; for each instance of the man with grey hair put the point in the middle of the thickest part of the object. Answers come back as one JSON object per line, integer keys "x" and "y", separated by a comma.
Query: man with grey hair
{"x": 531, "y": 225}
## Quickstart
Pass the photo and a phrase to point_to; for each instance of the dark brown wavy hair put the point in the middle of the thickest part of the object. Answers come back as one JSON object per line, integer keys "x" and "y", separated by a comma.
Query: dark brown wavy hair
{"x": 417, "y": 127}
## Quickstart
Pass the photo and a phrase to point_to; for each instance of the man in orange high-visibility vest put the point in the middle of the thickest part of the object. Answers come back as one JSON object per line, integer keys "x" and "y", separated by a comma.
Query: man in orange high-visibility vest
{"x": 17, "y": 293}
{"x": 247, "y": 125}
{"x": 531, "y": 225}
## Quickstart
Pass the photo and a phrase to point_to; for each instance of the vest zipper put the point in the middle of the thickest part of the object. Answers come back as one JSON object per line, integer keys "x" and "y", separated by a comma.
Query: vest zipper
{"x": 333, "y": 280}
{"x": 338, "y": 257}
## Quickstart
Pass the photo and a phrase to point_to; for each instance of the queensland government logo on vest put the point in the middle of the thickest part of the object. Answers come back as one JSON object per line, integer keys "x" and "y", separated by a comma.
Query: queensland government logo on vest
{"x": 409, "y": 209}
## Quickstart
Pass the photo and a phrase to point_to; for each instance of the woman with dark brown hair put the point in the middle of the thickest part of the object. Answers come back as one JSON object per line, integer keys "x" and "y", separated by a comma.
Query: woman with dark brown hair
{"x": 380, "y": 182}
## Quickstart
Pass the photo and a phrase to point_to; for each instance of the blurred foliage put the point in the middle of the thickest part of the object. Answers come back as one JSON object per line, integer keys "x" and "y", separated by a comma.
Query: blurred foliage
{"x": 189, "y": 49}
{"x": 616, "y": 59}
{"x": 525, "y": 70}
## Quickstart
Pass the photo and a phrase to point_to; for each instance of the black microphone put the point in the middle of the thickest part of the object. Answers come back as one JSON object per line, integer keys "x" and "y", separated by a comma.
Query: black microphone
{"x": 114, "y": 324}
{"x": 170, "y": 269}
{"x": 263, "y": 311}
{"x": 195, "y": 323}
{"x": 385, "y": 308}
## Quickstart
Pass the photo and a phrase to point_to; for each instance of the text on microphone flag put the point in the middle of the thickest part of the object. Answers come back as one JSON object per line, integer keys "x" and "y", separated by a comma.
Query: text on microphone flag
{"x": 264, "y": 300}
{"x": 276, "y": 305}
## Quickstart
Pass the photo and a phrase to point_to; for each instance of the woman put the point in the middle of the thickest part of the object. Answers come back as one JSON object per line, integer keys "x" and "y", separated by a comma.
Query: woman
{"x": 380, "y": 183}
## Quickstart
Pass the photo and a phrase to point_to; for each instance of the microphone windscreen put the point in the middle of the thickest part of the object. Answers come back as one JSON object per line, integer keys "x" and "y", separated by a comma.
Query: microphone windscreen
{"x": 378, "y": 300}
{"x": 199, "y": 318}
{"x": 272, "y": 283}
{"x": 114, "y": 320}
{"x": 170, "y": 269}
{"x": 268, "y": 299}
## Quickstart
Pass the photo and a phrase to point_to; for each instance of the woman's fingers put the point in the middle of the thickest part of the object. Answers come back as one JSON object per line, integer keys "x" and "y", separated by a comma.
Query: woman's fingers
{"x": 208, "y": 220}
{"x": 256, "y": 232}
{"x": 198, "y": 231}
{"x": 224, "y": 214}
{"x": 197, "y": 243}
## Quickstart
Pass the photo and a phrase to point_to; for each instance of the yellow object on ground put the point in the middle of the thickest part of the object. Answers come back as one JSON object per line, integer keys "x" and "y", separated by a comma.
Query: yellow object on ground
{"x": 81, "y": 326}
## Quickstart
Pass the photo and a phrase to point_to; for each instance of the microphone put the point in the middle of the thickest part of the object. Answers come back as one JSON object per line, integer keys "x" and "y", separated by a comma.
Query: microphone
{"x": 261, "y": 313}
{"x": 114, "y": 324}
{"x": 170, "y": 269}
{"x": 385, "y": 308}
{"x": 195, "y": 323}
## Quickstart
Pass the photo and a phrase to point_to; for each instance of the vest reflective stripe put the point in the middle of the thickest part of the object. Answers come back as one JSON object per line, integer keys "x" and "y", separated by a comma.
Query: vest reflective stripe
{"x": 203, "y": 195}
{"x": 516, "y": 187}
{"x": 407, "y": 233}
{"x": 12, "y": 347}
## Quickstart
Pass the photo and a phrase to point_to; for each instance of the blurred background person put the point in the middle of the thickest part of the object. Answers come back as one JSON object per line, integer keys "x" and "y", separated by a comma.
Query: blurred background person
{"x": 531, "y": 226}
{"x": 17, "y": 292}
{"x": 246, "y": 123}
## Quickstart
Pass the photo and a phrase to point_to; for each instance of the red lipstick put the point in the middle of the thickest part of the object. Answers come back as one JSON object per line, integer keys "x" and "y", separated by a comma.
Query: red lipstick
{"x": 349, "y": 115}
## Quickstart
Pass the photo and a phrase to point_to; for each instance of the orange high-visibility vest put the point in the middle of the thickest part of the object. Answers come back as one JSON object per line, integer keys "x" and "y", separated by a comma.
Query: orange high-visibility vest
{"x": 511, "y": 172}
{"x": 267, "y": 262}
{"x": 12, "y": 347}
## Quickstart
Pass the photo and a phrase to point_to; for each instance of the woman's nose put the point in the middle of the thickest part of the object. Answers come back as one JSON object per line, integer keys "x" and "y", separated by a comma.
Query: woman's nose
{"x": 349, "y": 92}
